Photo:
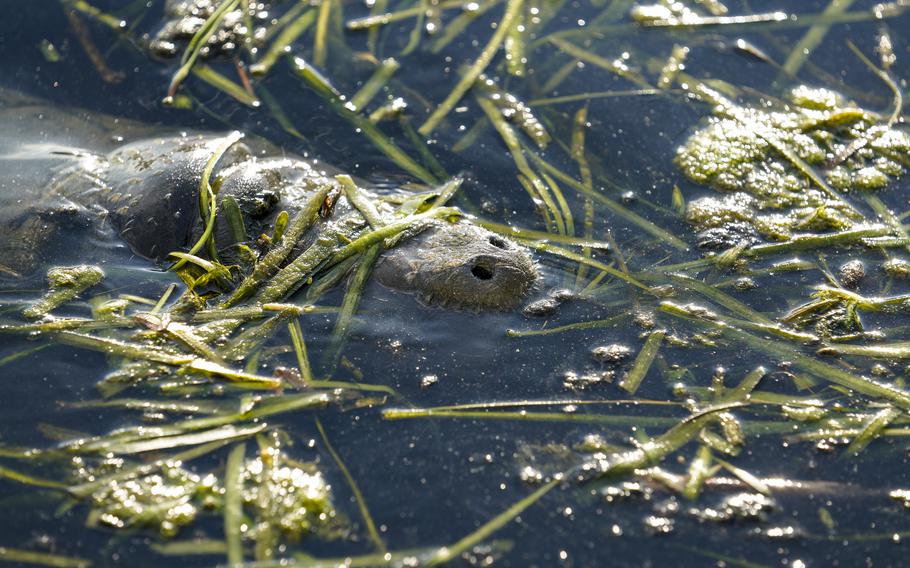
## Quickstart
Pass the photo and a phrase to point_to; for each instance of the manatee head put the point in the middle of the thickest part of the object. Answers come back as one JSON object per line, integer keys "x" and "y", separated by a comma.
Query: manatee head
{"x": 460, "y": 266}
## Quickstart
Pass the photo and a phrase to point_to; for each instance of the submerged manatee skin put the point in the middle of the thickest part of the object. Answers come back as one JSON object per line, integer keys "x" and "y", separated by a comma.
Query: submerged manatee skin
{"x": 460, "y": 266}
{"x": 153, "y": 194}
{"x": 147, "y": 191}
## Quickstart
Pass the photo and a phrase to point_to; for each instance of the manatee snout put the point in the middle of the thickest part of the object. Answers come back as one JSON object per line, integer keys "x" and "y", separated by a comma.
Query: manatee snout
{"x": 460, "y": 266}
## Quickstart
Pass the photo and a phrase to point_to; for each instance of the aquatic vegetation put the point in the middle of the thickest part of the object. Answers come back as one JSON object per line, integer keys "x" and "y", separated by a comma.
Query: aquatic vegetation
{"x": 285, "y": 499}
{"x": 289, "y": 499}
{"x": 665, "y": 379}
{"x": 227, "y": 27}
{"x": 764, "y": 160}
{"x": 65, "y": 284}
{"x": 164, "y": 501}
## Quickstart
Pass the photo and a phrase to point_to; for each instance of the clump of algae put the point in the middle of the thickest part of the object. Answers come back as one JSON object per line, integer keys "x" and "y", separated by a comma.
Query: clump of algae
{"x": 293, "y": 500}
{"x": 165, "y": 501}
{"x": 780, "y": 165}
{"x": 281, "y": 496}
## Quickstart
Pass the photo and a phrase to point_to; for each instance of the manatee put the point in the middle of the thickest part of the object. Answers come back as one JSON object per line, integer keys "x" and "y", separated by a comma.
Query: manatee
{"x": 139, "y": 185}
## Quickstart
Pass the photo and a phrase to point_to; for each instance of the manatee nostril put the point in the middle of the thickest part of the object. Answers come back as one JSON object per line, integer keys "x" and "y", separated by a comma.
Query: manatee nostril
{"x": 481, "y": 272}
{"x": 498, "y": 242}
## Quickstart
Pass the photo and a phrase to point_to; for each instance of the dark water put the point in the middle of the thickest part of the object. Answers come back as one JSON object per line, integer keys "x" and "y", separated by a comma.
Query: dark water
{"x": 430, "y": 481}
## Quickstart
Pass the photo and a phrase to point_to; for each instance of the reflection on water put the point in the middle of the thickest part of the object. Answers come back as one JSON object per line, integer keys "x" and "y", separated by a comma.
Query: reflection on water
{"x": 725, "y": 387}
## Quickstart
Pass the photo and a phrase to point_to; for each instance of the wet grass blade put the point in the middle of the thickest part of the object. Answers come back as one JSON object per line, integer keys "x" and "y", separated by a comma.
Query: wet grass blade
{"x": 887, "y": 216}
{"x": 193, "y": 547}
{"x": 131, "y": 472}
{"x": 809, "y": 241}
{"x": 564, "y": 208}
{"x": 164, "y": 298}
{"x": 240, "y": 378}
{"x": 812, "y": 38}
{"x": 87, "y": 9}
{"x": 459, "y": 23}
{"x": 595, "y": 95}
{"x": 525, "y": 416}
{"x": 422, "y": 146}
{"x": 6, "y": 360}
{"x": 633, "y": 218}
{"x": 233, "y": 505}
{"x": 379, "y": 79}
{"x": 743, "y": 390}
{"x": 699, "y": 470}
{"x": 274, "y": 107}
{"x": 535, "y": 187}
{"x": 198, "y": 41}
{"x": 64, "y": 324}
{"x": 643, "y": 361}
{"x": 514, "y": 47}
{"x": 152, "y": 405}
{"x": 21, "y": 556}
{"x": 447, "y": 191}
{"x": 579, "y": 126}
{"x": 750, "y": 480}
{"x": 26, "y": 479}
{"x": 352, "y": 297}
{"x": 270, "y": 264}
{"x": 718, "y": 297}
{"x": 787, "y": 352}
{"x": 898, "y": 350}
{"x": 292, "y": 276}
{"x": 282, "y": 43}
{"x": 225, "y": 85}
{"x": 208, "y": 208}
{"x": 358, "y": 496}
{"x": 612, "y": 66}
{"x": 513, "y": 9}
{"x": 322, "y": 87}
{"x": 449, "y": 553}
{"x": 229, "y": 432}
{"x": 300, "y": 350}
{"x": 66, "y": 283}
{"x": 595, "y": 324}
{"x": 122, "y": 349}
{"x": 558, "y": 251}
{"x": 322, "y": 30}
{"x": 493, "y": 404}
{"x": 532, "y": 235}
{"x": 873, "y": 429}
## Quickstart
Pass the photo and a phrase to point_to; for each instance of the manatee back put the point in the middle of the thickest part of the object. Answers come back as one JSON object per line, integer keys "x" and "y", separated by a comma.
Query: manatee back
{"x": 152, "y": 192}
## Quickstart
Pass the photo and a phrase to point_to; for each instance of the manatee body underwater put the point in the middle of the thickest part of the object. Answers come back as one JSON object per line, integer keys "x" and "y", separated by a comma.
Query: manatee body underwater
{"x": 108, "y": 180}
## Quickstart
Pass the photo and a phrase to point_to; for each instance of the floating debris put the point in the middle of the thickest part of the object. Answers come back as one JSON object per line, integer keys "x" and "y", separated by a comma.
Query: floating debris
{"x": 581, "y": 381}
{"x": 49, "y": 51}
{"x": 659, "y": 525}
{"x": 738, "y": 507}
{"x": 897, "y": 268}
{"x": 185, "y": 18}
{"x": 851, "y": 273}
{"x": 677, "y": 14}
{"x": 613, "y": 353}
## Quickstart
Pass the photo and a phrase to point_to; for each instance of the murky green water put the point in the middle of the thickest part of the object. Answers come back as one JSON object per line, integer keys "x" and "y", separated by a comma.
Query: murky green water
{"x": 748, "y": 383}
